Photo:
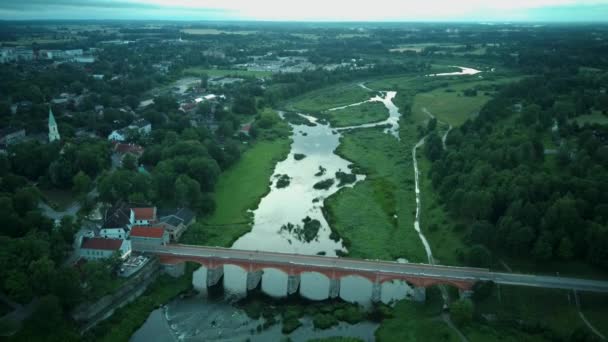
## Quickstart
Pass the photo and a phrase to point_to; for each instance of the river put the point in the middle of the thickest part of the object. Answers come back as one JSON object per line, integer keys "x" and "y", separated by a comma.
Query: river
{"x": 200, "y": 318}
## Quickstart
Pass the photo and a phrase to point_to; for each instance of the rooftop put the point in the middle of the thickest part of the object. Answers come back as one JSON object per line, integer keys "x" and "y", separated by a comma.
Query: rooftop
{"x": 151, "y": 232}
{"x": 147, "y": 214}
{"x": 117, "y": 216}
{"x": 100, "y": 243}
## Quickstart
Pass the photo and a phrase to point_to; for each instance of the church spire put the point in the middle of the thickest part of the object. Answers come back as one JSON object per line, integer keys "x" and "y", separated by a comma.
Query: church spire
{"x": 53, "y": 132}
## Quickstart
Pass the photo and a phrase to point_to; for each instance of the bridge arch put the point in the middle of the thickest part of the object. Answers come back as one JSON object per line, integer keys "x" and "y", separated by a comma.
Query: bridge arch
{"x": 314, "y": 285}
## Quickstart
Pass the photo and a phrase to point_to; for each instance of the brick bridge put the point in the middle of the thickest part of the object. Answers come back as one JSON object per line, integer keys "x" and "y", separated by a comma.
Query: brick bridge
{"x": 377, "y": 272}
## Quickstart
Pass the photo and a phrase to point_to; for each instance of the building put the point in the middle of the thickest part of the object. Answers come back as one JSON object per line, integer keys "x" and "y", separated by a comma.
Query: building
{"x": 53, "y": 131}
{"x": 142, "y": 126}
{"x": 10, "y": 136}
{"x": 101, "y": 248}
{"x": 117, "y": 222}
{"x": 143, "y": 216}
{"x": 176, "y": 221}
{"x": 157, "y": 236}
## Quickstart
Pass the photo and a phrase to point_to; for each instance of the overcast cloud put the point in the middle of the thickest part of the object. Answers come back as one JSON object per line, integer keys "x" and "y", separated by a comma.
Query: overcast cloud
{"x": 379, "y": 10}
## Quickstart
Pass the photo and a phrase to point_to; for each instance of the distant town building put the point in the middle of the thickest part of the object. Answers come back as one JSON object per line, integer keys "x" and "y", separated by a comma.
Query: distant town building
{"x": 101, "y": 248}
{"x": 10, "y": 136}
{"x": 142, "y": 126}
{"x": 53, "y": 131}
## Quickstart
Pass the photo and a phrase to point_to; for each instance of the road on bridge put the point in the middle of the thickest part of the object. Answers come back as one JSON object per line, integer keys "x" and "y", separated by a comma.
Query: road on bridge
{"x": 378, "y": 266}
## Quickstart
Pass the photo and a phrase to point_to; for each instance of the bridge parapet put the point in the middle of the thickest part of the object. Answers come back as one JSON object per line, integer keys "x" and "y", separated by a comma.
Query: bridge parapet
{"x": 333, "y": 273}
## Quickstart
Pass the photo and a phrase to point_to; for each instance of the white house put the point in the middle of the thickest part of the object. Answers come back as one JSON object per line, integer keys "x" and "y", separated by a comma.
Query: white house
{"x": 100, "y": 248}
{"x": 143, "y": 216}
{"x": 117, "y": 135}
{"x": 117, "y": 223}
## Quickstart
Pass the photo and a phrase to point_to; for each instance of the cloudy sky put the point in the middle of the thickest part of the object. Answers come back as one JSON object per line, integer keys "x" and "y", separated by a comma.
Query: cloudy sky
{"x": 310, "y": 10}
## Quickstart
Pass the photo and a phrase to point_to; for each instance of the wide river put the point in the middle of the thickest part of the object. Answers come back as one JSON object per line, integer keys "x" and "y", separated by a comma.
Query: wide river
{"x": 202, "y": 319}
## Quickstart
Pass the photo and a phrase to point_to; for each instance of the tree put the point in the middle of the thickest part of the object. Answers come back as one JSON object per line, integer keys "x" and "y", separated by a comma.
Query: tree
{"x": 81, "y": 183}
{"x": 204, "y": 81}
{"x": 482, "y": 290}
{"x": 431, "y": 125}
{"x": 479, "y": 256}
{"x": 462, "y": 312}
{"x": 205, "y": 171}
{"x": 187, "y": 191}
{"x": 565, "y": 249}
{"x": 41, "y": 273}
{"x": 18, "y": 286}
{"x": 129, "y": 162}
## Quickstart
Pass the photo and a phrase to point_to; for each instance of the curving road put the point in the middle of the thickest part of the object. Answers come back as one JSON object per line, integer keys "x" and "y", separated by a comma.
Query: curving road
{"x": 447, "y": 273}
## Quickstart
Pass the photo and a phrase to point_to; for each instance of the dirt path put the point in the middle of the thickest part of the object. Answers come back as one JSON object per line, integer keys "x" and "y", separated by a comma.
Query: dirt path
{"x": 584, "y": 319}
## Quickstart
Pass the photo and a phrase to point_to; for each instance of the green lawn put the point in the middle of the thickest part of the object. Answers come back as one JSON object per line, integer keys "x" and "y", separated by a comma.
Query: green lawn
{"x": 595, "y": 308}
{"x": 596, "y": 117}
{"x": 552, "y": 308}
{"x": 357, "y": 115}
{"x": 197, "y": 71}
{"x": 449, "y": 104}
{"x": 238, "y": 190}
{"x": 372, "y": 230}
{"x": 417, "y": 322}
{"x": 327, "y": 98}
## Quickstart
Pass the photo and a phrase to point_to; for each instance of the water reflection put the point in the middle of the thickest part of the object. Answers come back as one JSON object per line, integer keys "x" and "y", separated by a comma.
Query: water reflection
{"x": 300, "y": 199}
{"x": 314, "y": 286}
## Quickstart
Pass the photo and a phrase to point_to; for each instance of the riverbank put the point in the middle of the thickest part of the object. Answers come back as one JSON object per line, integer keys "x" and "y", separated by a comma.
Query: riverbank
{"x": 239, "y": 191}
{"x": 125, "y": 321}
{"x": 382, "y": 228}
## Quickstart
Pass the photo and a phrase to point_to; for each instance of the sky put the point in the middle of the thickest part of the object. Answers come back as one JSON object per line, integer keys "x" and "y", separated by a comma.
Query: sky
{"x": 310, "y": 10}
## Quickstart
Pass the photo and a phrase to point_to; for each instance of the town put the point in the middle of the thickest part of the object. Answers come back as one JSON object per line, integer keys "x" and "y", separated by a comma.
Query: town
{"x": 164, "y": 180}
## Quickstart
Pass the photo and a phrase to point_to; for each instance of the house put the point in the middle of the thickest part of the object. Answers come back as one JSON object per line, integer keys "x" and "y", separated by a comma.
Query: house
{"x": 143, "y": 126}
{"x": 143, "y": 216}
{"x": 124, "y": 149}
{"x": 149, "y": 235}
{"x": 176, "y": 221}
{"x": 118, "y": 135}
{"x": 101, "y": 248}
{"x": 117, "y": 222}
{"x": 10, "y": 136}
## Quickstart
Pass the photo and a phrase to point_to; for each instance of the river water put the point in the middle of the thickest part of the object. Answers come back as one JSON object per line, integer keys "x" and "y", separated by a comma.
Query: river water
{"x": 203, "y": 319}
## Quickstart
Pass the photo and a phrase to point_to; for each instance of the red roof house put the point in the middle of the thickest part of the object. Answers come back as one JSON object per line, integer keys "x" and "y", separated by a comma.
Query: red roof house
{"x": 149, "y": 235}
{"x": 143, "y": 216}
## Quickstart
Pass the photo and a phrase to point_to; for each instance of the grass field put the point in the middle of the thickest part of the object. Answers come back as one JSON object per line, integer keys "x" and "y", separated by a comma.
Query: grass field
{"x": 449, "y": 104}
{"x": 597, "y": 117}
{"x": 555, "y": 309}
{"x": 197, "y": 71}
{"x": 594, "y": 306}
{"x": 372, "y": 230}
{"x": 327, "y": 98}
{"x": 417, "y": 322}
{"x": 238, "y": 190}
{"x": 357, "y": 115}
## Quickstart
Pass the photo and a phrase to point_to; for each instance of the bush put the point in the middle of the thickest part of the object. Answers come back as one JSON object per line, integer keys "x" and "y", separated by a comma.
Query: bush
{"x": 345, "y": 178}
{"x": 290, "y": 324}
{"x": 283, "y": 181}
{"x": 299, "y": 156}
{"x": 324, "y": 321}
{"x": 324, "y": 184}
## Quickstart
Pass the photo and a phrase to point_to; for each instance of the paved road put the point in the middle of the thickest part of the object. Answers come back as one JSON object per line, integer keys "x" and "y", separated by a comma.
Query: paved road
{"x": 381, "y": 267}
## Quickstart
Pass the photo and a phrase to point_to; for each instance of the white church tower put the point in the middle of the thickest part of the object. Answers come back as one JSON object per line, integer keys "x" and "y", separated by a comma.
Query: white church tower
{"x": 53, "y": 132}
